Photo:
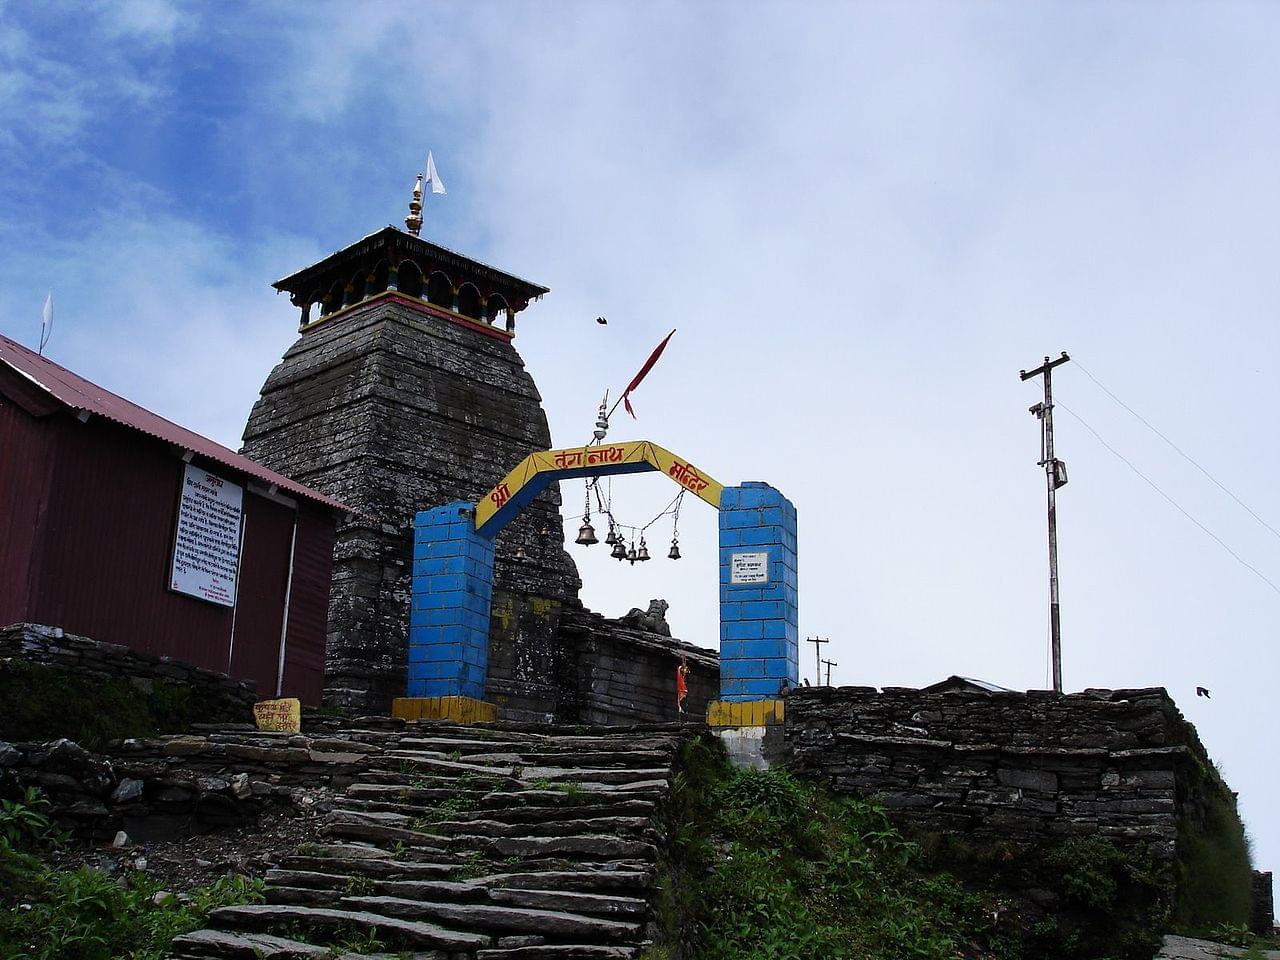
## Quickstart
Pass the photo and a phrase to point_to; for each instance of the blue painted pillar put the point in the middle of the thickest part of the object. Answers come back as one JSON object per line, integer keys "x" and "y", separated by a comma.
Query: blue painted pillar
{"x": 452, "y": 594}
{"x": 759, "y": 610}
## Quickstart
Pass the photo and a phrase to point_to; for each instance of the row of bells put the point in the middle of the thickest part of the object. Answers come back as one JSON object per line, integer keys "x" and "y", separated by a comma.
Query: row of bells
{"x": 587, "y": 538}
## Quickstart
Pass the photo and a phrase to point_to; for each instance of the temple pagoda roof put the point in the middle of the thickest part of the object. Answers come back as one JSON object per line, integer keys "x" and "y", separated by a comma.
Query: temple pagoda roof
{"x": 392, "y": 243}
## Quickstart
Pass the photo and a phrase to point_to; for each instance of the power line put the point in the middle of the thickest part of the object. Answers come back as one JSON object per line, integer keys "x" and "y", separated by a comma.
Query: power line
{"x": 1151, "y": 483}
{"x": 1182, "y": 453}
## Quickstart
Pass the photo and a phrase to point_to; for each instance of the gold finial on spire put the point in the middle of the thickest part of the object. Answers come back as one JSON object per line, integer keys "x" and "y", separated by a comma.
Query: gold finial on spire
{"x": 414, "y": 220}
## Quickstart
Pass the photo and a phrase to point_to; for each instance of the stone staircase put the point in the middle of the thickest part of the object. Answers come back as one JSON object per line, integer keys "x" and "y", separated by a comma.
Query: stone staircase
{"x": 458, "y": 842}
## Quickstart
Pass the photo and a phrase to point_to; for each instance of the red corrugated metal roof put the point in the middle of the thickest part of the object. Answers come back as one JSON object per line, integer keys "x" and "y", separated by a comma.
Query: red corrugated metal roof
{"x": 80, "y": 394}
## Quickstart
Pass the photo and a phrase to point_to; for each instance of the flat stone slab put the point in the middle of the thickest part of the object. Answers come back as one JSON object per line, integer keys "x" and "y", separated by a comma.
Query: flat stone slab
{"x": 588, "y": 880}
{"x": 548, "y": 898}
{"x": 428, "y": 934}
{"x": 250, "y": 946}
{"x": 385, "y": 866}
{"x": 1185, "y": 948}
{"x": 582, "y": 845}
{"x": 566, "y": 951}
{"x": 550, "y": 923}
{"x": 222, "y": 945}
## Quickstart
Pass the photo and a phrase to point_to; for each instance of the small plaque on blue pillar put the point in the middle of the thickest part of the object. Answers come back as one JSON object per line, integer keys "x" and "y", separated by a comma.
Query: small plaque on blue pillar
{"x": 749, "y": 568}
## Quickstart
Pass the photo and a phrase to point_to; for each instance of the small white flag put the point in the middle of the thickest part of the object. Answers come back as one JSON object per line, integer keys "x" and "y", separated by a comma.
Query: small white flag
{"x": 433, "y": 178}
{"x": 46, "y": 321}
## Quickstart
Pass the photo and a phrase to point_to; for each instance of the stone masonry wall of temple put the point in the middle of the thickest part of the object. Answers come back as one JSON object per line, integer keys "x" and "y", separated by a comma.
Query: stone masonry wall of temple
{"x": 393, "y": 410}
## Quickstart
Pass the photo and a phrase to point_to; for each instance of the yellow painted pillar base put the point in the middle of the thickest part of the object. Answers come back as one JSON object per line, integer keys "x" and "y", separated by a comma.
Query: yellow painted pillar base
{"x": 745, "y": 713}
{"x": 458, "y": 709}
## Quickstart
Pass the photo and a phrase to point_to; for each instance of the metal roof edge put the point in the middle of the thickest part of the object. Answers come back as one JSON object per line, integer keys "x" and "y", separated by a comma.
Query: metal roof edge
{"x": 207, "y": 447}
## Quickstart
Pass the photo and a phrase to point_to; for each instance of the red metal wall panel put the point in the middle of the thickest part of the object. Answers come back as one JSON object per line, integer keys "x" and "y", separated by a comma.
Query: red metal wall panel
{"x": 309, "y": 606}
{"x": 102, "y": 561}
{"x": 264, "y": 573}
{"x": 25, "y": 453}
{"x": 87, "y": 517}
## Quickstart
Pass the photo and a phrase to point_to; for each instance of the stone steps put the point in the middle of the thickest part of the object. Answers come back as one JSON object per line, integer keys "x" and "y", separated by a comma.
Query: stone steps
{"x": 494, "y": 824}
{"x": 399, "y": 802}
{"x": 226, "y": 945}
{"x": 457, "y": 842}
{"x": 418, "y": 761}
{"x": 506, "y": 784}
{"x": 471, "y": 891}
{"x": 609, "y": 877}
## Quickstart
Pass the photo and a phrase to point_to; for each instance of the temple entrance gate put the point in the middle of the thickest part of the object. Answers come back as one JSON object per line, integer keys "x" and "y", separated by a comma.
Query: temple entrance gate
{"x": 453, "y": 584}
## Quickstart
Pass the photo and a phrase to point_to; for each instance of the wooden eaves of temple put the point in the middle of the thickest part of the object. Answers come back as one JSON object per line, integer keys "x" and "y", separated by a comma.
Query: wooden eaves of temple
{"x": 391, "y": 261}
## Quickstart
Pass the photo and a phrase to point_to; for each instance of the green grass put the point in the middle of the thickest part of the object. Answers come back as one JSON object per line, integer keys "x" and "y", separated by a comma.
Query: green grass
{"x": 86, "y": 915}
{"x": 1214, "y": 870}
{"x": 763, "y": 866}
{"x": 1103, "y": 900}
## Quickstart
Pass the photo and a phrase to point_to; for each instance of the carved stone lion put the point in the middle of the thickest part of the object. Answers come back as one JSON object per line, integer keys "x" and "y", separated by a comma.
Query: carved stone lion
{"x": 654, "y": 619}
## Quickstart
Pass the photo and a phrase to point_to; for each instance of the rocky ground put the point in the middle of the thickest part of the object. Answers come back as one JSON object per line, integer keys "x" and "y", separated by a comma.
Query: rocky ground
{"x": 1185, "y": 948}
{"x": 185, "y": 862}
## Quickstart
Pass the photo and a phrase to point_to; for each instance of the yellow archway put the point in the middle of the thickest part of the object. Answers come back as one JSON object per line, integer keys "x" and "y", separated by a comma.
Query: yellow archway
{"x": 538, "y": 470}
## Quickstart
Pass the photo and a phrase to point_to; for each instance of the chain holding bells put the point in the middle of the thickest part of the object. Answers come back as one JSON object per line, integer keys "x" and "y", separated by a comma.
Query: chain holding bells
{"x": 587, "y": 533}
{"x": 620, "y": 549}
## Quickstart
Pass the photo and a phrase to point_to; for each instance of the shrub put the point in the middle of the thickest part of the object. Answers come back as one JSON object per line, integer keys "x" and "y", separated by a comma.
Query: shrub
{"x": 1214, "y": 868}
{"x": 86, "y": 915}
{"x": 763, "y": 866}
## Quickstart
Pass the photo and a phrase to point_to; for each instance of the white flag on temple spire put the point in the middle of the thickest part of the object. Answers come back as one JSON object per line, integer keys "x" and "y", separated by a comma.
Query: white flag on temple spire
{"x": 433, "y": 178}
{"x": 46, "y": 322}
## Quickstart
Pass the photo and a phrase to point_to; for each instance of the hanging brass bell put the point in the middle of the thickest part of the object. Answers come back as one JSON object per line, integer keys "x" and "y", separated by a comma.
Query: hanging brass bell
{"x": 674, "y": 552}
{"x": 520, "y": 556}
{"x": 586, "y": 534}
{"x": 643, "y": 553}
{"x": 632, "y": 556}
{"x": 619, "y": 549}
{"x": 612, "y": 537}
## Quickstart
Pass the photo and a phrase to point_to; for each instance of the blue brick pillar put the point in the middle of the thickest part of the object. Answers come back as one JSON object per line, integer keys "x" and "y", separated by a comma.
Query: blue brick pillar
{"x": 452, "y": 593}
{"x": 759, "y": 621}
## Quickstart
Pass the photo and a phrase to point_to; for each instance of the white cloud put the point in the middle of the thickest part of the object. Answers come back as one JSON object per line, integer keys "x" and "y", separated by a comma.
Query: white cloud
{"x": 158, "y": 22}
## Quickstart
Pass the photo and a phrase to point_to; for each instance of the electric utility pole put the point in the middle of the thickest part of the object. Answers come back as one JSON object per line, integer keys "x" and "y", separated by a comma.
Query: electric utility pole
{"x": 1055, "y": 473}
{"x": 829, "y": 664}
{"x": 817, "y": 652}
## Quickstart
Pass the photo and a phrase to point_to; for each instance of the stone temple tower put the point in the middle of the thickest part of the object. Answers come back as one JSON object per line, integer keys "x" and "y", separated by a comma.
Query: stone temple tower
{"x": 402, "y": 392}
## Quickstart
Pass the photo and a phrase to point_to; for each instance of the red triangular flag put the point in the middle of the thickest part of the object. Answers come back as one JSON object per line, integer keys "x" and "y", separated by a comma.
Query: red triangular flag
{"x": 644, "y": 371}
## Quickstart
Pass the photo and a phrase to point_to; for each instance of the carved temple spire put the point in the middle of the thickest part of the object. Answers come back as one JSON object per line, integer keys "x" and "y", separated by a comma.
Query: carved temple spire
{"x": 414, "y": 220}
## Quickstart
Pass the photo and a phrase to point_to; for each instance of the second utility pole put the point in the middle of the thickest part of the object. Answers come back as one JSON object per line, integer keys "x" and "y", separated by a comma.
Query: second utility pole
{"x": 1055, "y": 474}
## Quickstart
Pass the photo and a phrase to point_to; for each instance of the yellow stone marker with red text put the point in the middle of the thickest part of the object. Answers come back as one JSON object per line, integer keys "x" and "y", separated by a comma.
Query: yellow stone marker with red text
{"x": 280, "y": 716}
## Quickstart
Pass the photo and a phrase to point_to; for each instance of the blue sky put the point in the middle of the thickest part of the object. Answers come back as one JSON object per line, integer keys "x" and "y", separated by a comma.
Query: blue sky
{"x": 864, "y": 219}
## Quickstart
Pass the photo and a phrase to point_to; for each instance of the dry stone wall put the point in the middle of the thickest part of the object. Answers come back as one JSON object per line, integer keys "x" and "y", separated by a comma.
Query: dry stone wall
{"x": 220, "y": 697}
{"x": 1020, "y": 767}
{"x": 1262, "y": 918}
{"x": 554, "y": 662}
{"x": 624, "y": 674}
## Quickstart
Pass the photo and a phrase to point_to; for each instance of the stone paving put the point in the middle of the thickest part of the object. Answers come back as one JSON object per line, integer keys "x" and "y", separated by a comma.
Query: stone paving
{"x": 470, "y": 843}
{"x": 1184, "y": 948}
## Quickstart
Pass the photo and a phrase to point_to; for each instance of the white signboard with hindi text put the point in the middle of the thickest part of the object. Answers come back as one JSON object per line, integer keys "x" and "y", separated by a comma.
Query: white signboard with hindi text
{"x": 749, "y": 568}
{"x": 206, "y": 550}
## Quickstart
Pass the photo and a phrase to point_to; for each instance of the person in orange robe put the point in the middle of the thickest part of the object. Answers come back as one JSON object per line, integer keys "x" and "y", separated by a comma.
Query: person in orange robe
{"x": 682, "y": 684}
